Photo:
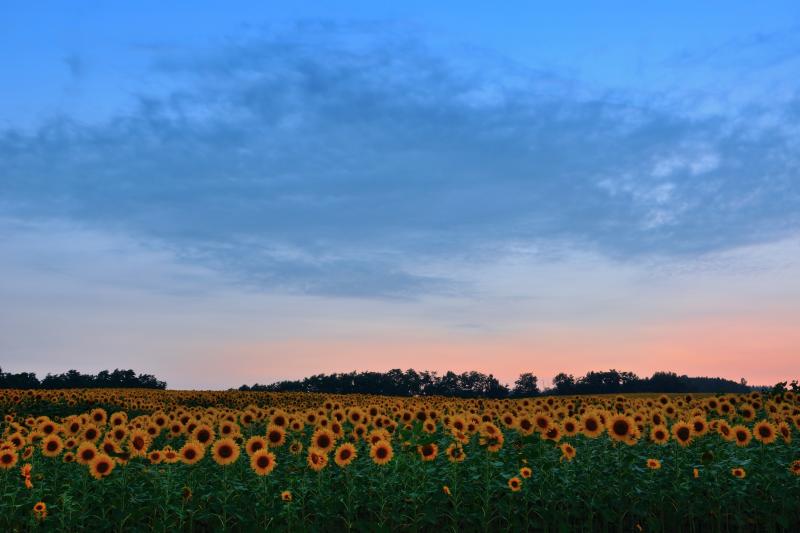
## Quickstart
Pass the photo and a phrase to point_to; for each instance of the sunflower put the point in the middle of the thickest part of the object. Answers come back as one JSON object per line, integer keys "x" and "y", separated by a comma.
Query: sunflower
{"x": 659, "y": 434}
{"x": 192, "y": 452}
{"x": 724, "y": 429}
{"x": 344, "y": 454}
{"x": 52, "y": 445}
{"x": 203, "y": 434}
{"x": 155, "y": 457}
{"x": 323, "y": 440}
{"x": 428, "y": 452}
{"x": 286, "y": 496}
{"x": 446, "y": 490}
{"x": 747, "y": 412}
{"x": 296, "y": 447}
{"x": 542, "y": 421}
{"x": 785, "y": 431}
{"x": 653, "y": 464}
{"x": 381, "y": 452}
{"x": 699, "y": 426}
{"x": 101, "y": 466}
{"x": 794, "y": 468}
{"x": 276, "y": 436}
{"x": 317, "y": 459}
{"x": 455, "y": 453}
{"x": 255, "y": 443}
{"x": 620, "y": 427}
{"x": 279, "y": 418}
{"x": 738, "y": 472}
{"x": 552, "y": 433}
{"x": 91, "y": 433}
{"x": 139, "y": 442}
{"x": 591, "y": 426}
{"x": 525, "y": 472}
{"x": 8, "y": 459}
{"x": 765, "y": 432}
{"x": 40, "y": 511}
{"x": 515, "y": 484}
{"x": 742, "y": 435}
{"x": 570, "y": 426}
{"x": 225, "y": 451}
{"x": 87, "y": 451}
{"x": 682, "y": 432}
{"x": 525, "y": 425}
{"x": 170, "y": 455}
{"x": 262, "y": 462}
{"x": 567, "y": 452}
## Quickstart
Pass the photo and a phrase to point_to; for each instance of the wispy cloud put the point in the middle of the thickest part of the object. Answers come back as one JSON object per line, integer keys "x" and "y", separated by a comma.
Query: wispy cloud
{"x": 340, "y": 160}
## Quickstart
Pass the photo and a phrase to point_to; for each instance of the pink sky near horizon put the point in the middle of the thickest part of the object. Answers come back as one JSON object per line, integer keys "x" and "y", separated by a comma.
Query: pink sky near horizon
{"x": 762, "y": 351}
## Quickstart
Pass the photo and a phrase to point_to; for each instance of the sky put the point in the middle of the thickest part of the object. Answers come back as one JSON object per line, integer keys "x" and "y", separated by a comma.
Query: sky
{"x": 222, "y": 193}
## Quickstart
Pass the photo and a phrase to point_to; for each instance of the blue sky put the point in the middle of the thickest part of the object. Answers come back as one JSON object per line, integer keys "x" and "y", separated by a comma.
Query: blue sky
{"x": 387, "y": 164}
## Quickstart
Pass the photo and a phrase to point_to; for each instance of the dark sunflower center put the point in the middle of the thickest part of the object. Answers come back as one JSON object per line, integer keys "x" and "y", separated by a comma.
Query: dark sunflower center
{"x": 620, "y": 427}
{"x": 225, "y": 451}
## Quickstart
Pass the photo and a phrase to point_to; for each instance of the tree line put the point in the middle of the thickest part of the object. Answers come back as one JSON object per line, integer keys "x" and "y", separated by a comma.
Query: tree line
{"x": 72, "y": 379}
{"x": 473, "y": 384}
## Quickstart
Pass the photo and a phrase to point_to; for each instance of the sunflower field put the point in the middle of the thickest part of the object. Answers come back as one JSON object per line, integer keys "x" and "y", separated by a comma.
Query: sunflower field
{"x": 136, "y": 460}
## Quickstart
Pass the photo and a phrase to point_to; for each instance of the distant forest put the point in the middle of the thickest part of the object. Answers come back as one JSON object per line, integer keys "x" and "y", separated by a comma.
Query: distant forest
{"x": 116, "y": 379}
{"x": 397, "y": 382}
{"x": 478, "y": 385}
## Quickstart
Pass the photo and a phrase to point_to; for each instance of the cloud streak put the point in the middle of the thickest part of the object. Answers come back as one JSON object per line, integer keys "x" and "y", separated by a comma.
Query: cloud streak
{"x": 340, "y": 160}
